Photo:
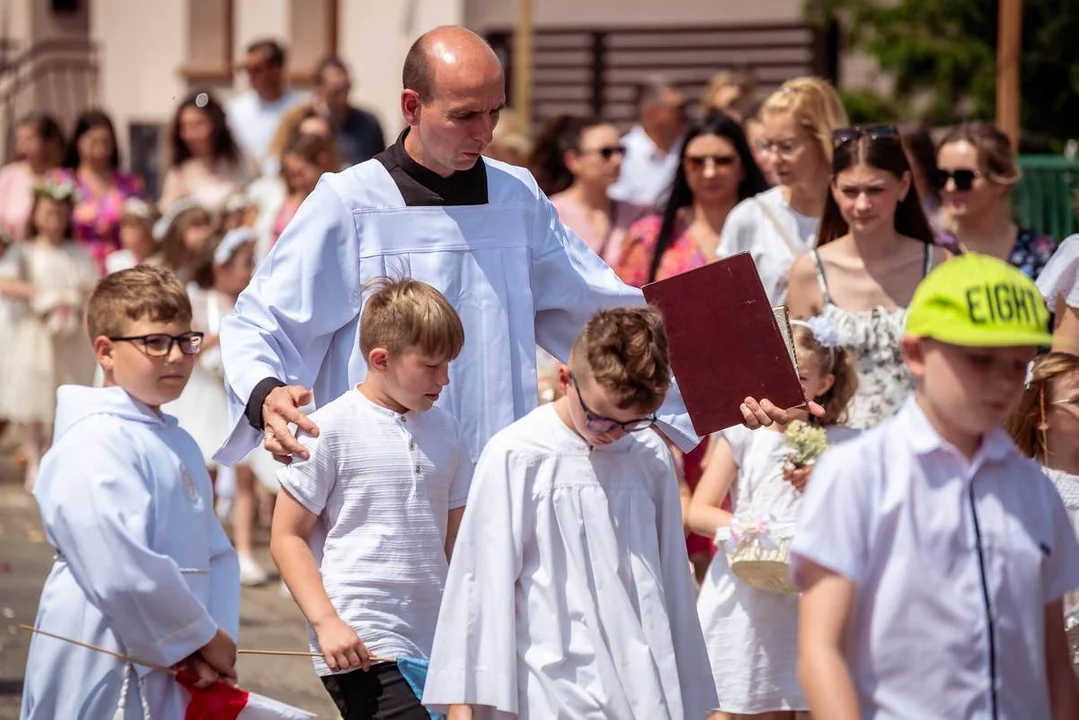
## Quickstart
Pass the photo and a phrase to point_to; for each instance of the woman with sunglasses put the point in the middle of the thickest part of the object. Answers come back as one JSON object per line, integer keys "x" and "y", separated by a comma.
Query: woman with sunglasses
{"x": 779, "y": 225}
{"x": 875, "y": 245}
{"x": 976, "y": 171}
{"x": 576, "y": 161}
{"x": 715, "y": 172}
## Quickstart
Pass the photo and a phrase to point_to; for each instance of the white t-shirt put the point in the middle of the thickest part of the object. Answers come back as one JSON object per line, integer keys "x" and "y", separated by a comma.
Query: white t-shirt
{"x": 773, "y": 233}
{"x": 647, "y": 172}
{"x": 254, "y": 122}
{"x": 954, "y": 560}
{"x": 382, "y": 485}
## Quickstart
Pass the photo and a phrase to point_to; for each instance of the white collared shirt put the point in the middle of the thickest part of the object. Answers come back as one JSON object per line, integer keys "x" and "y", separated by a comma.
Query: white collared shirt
{"x": 905, "y": 516}
{"x": 647, "y": 171}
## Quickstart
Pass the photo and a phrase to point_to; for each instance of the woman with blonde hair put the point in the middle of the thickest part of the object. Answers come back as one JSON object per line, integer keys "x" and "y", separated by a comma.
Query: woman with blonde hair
{"x": 779, "y": 225}
{"x": 726, "y": 91}
{"x": 976, "y": 171}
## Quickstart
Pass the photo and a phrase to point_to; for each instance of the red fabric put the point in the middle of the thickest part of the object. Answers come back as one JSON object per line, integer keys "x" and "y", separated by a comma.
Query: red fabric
{"x": 691, "y": 467}
{"x": 217, "y": 702}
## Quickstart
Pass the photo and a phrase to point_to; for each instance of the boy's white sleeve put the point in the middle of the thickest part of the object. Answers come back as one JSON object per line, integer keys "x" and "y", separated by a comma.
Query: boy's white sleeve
{"x": 224, "y": 580}
{"x": 1060, "y": 572}
{"x": 462, "y": 479}
{"x": 690, "y": 653}
{"x": 310, "y": 481}
{"x": 97, "y": 513}
{"x": 474, "y": 655}
{"x": 833, "y": 522}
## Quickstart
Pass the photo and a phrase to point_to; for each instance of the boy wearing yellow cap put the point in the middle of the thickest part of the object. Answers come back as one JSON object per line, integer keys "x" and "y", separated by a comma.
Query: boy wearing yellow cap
{"x": 932, "y": 556}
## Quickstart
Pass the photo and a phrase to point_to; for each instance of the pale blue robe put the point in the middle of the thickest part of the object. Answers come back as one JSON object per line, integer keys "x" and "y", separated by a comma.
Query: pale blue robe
{"x": 143, "y": 565}
{"x": 515, "y": 274}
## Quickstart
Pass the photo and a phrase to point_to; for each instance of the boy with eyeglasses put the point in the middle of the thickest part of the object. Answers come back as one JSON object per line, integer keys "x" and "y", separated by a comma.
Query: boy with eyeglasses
{"x": 143, "y": 567}
{"x": 568, "y": 594}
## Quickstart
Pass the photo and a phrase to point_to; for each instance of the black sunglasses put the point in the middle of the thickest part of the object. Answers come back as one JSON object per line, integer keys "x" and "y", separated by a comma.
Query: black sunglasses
{"x": 697, "y": 162}
{"x": 160, "y": 344}
{"x": 606, "y": 152}
{"x": 600, "y": 424}
{"x": 873, "y": 132}
{"x": 963, "y": 177}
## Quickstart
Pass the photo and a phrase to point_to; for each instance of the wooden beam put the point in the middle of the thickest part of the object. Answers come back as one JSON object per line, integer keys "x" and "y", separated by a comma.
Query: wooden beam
{"x": 1009, "y": 55}
{"x": 522, "y": 64}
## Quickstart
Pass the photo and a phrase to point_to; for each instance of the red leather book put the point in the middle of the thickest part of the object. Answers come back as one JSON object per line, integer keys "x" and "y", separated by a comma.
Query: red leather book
{"x": 726, "y": 341}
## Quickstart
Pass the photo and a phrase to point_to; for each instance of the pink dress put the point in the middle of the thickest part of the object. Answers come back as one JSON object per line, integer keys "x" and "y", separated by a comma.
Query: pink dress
{"x": 574, "y": 215}
{"x": 16, "y": 199}
{"x": 96, "y": 221}
{"x": 639, "y": 247}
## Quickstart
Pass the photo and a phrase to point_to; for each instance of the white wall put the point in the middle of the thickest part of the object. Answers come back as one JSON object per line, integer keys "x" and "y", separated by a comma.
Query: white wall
{"x": 374, "y": 38}
{"x": 483, "y": 15}
{"x": 142, "y": 47}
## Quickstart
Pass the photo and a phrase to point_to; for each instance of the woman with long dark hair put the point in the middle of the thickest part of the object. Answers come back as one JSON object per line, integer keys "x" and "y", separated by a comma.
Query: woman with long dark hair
{"x": 715, "y": 172}
{"x": 576, "y": 160}
{"x": 873, "y": 248}
{"x": 206, "y": 164}
{"x": 93, "y": 164}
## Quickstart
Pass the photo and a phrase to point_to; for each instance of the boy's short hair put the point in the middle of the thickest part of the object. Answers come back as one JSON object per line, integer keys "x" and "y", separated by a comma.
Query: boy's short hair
{"x": 406, "y": 314}
{"x": 625, "y": 352}
{"x": 142, "y": 292}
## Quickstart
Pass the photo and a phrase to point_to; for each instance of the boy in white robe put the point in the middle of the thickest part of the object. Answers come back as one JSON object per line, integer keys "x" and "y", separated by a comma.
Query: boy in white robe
{"x": 363, "y": 529}
{"x": 569, "y": 594}
{"x": 143, "y": 566}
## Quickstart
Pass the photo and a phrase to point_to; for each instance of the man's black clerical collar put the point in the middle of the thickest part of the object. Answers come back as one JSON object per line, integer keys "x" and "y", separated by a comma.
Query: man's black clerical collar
{"x": 421, "y": 186}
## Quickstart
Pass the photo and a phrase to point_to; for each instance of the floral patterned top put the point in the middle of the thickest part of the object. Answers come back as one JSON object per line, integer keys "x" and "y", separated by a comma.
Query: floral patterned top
{"x": 96, "y": 220}
{"x": 1030, "y": 254}
{"x": 639, "y": 247}
{"x": 872, "y": 337}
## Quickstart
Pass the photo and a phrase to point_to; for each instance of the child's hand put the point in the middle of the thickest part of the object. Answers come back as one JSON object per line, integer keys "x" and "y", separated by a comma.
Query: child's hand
{"x": 220, "y": 654}
{"x": 341, "y": 646}
{"x": 798, "y": 477}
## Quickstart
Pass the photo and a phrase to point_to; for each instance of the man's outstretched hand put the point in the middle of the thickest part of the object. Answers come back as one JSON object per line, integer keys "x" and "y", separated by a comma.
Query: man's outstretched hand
{"x": 281, "y": 407}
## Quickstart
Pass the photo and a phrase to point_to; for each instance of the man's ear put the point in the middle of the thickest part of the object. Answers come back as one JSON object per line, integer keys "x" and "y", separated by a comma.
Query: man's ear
{"x": 410, "y": 106}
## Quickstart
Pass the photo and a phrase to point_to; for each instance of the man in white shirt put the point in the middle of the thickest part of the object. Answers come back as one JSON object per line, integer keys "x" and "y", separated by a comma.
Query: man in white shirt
{"x": 253, "y": 116}
{"x": 653, "y": 145}
{"x": 478, "y": 230}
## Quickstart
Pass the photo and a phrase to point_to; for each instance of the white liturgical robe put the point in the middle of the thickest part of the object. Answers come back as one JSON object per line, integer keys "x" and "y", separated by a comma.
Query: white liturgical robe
{"x": 569, "y": 594}
{"x": 514, "y": 273}
{"x": 143, "y": 565}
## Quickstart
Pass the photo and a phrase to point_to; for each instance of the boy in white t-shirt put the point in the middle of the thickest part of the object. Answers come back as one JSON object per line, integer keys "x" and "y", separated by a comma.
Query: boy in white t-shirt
{"x": 933, "y": 558}
{"x": 364, "y": 527}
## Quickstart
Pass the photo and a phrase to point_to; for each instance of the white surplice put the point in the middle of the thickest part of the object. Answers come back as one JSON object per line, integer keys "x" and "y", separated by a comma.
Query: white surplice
{"x": 143, "y": 565}
{"x": 515, "y": 274}
{"x": 569, "y": 594}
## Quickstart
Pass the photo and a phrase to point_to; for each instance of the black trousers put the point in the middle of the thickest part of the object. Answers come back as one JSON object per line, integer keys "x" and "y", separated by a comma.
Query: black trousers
{"x": 381, "y": 693}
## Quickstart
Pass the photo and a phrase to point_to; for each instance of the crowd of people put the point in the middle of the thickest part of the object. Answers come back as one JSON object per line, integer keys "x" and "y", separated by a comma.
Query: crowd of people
{"x": 875, "y": 237}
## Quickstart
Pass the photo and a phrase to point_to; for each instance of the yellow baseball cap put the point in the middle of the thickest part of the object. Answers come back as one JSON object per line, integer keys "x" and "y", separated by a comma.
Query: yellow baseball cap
{"x": 979, "y": 301}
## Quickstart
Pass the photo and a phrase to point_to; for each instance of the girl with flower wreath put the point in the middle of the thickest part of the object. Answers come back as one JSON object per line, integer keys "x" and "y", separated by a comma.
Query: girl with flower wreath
{"x": 49, "y": 277}
{"x": 751, "y": 634}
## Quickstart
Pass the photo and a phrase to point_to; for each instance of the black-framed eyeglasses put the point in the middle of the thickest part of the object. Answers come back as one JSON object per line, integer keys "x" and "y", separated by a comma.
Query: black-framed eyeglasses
{"x": 160, "y": 344}
{"x": 600, "y": 424}
{"x": 963, "y": 178}
{"x": 606, "y": 152}
{"x": 873, "y": 132}
{"x": 697, "y": 162}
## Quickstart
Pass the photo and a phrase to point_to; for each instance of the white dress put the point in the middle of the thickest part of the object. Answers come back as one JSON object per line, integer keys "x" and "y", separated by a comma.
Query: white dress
{"x": 569, "y": 594}
{"x": 202, "y": 409}
{"x": 1068, "y": 487}
{"x": 47, "y": 346}
{"x": 773, "y": 233}
{"x": 1060, "y": 276}
{"x": 752, "y": 635}
{"x": 143, "y": 566}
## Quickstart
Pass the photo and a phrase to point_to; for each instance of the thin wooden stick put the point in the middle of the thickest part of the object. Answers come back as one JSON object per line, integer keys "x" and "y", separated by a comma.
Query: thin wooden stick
{"x": 88, "y": 646}
{"x": 298, "y": 653}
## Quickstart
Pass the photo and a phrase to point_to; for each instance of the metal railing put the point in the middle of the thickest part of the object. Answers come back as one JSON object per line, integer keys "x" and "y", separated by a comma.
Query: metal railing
{"x": 59, "y": 77}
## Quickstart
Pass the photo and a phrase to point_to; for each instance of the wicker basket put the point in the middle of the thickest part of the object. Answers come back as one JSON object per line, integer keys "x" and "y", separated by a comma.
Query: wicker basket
{"x": 764, "y": 568}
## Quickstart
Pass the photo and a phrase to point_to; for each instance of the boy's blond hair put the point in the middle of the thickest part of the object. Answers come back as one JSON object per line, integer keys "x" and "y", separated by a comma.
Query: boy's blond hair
{"x": 625, "y": 351}
{"x": 143, "y": 292}
{"x": 406, "y": 314}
